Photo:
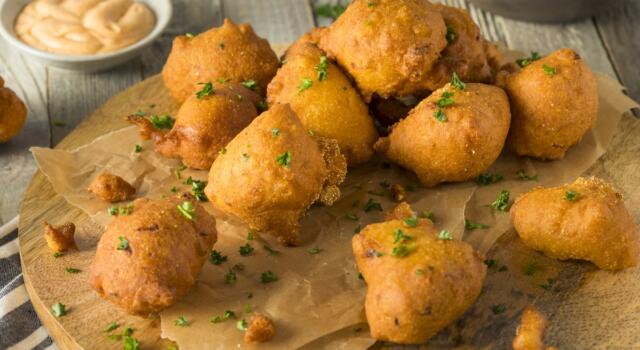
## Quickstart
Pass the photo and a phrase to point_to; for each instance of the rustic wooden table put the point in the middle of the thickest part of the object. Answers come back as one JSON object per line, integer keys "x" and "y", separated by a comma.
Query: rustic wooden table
{"x": 58, "y": 100}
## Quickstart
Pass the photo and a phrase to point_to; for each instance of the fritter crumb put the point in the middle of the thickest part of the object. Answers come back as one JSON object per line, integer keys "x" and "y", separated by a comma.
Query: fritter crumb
{"x": 530, "y": 332}
{"x": 401, "y": 211}
{"x": 260, "y": 329}
{"x": 398, "y": 193}
{"x": 60, "y": 238}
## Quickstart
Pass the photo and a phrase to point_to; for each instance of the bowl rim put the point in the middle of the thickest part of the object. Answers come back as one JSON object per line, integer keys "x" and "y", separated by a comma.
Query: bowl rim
{"x": 162, "y": 22}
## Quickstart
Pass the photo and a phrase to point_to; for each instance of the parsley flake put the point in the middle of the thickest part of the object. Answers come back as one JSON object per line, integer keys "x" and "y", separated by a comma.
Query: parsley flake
{"x": 130, "y": 343}
{"x": 456, "y": 82}
{"x": 284, "y": 159}
{"x": 181, "y": 321}
{"x": 371, "y": 205}
{"x": 571, "y": 195}
{"x": 207, "y": 90}
{"x": 314, "y": 250}
{"x": 490, "y": 263}
{"x": 502, "y": 202}
{"x": 400, "y": 236}
{"x": 323, "y": 68}
{"x": 57, "y": 254}
{"x": 440, "y": 116}
{"x": 262, "y": 106}
{"x": 472, "y": 225}
{"x": 402, "y": 250}
{"x": 137, "y": 149}
{"x": 488, "y": 179}
{"x": 523, "y": 62}
{"x": 427, "y": 214}
{"x": 548, "y": 70}
{"x": 230, "y": 277}
{"x": 242, "y": 325}
{"x": 524, "y": 177}
{"x": 162, "y": 121}
{"x": 250, "y": 84}
{"x": 59, "y": 309}
{"x": 124, "y": 243}
{"x": 451, "y": 34}
{"x": 227, "y": 315}
{"x": 304, "y": 84}
{"x": 111, "y": 326}
{"x": 268, "y": 277}
{"x": 411, "y": 222}
{"x": 246, "y": 250}
{"x": 328, "y": 10}
{"x": 187, "y": 210}
{"x": 530, "y": 269}
{"x": 445, "y": 235}
{"x": 216, "y": 258}
{"x": 72, "y": 270}
{"x": 275, "y": 132}
{"x": 271, "y": 250}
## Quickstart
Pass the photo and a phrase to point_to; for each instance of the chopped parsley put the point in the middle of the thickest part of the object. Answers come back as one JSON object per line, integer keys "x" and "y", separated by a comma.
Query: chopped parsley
{"x": 427, "y": 214}
{"x": 402, "y": 250}
{"x": 59, "y": 309}
{"x": 323, "y": 68}
{"x": 246, "y": 249}
{"x": 187, "y": 210}
{"x": 268, "y": 277}
{"x": 189, "y": 35}
{"x": 222, "y": 150}
{"x": 304, "y": 84}
{"x": 72, "y": 270}
{"x": 262, "y": 106}
{"x": 446, "y": 99}
{"x": 456, "y": 82}
{"x": 445, "y": 235}
{"x": 524, "y": 177}
{"x": 230, "y": 277}
{"x": 137, "y": 149}
{"x": 275, "y": 132}
{"x": 502, "y": 202}
{"x": 270, "y": 250}
{"x": 217, "y": 258}
{"x": 571, "y": 195}
{"x": 124, "y": 210}
{"x": 207, "y": 90}
{"x": 530, "y": 269}
{"x": 123, "y": 244}
{"x": 549, "y": 285}
{"x": 548, "y": 70}
{"x": 111, "y": 326}
{"x": 371, "y": 205}
{"x": 242, "y": 325}
{"x": 523, "y": 62}
{"x": 227, "y": 315}
{"x": 314, "y": 250}
{"x": 162, "y": 121}
{"x": 399, "y": 236}
{"x": 439, "y": 115}
{"x": 178, "y": 172}
{"x": 352, "y": 217}
{"x": 328, "y": 10}
{"x": 451, "y": 34}
{"x": 249, "y": 236}
{"x": 284, "y": 159}
{"x": 197, "y": 189}
{"x": 250, "y": 84}
{"x": 174, "y": 189}
{"x": 411, "y": 222}
{"x": 181, "y": 321}
{"x": 488, "y": 179}
{"x": 498, "y": 309}
{"x": 490, "y": 263}
{"x": 222, "y": 80}
{"x": 130, "y": 343}
{"x": 472, "y": 225}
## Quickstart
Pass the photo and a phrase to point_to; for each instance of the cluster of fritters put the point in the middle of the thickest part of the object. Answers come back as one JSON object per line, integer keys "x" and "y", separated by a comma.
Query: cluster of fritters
{"x": 278, "y": 136}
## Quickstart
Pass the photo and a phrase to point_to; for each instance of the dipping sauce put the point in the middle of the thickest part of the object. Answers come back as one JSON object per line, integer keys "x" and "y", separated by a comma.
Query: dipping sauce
{"x": 83, "y": 27}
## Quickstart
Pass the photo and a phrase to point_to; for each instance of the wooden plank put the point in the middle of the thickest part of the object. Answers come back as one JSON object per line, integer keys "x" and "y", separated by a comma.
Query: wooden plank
{"x": 619, "y": 32}
{"x": 28, "y": 80}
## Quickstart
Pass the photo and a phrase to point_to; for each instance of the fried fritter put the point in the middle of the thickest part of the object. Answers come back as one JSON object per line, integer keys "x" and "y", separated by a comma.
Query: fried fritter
{"x": 554, "y": 102}
{"x": 149, "y": 259}
{"x": 260, "y": 329}
{"x": 311, "y": 37}
{"x": 204, "y": 125}
{"x": 232, "y": 52}
{"x": 111, "y": 188}
{"x": 453, "y": 135}
{"x": 60, "y": 238}
{"x": 418, "y": 283}
{"x": 12, "y": 113}
{"x": 388, "y": 46}
{"x": 465, "y": 54}
{"x": 530, "y": 332}
{"x": 326, "y": 103}
{"x": 584, "y": 220}
{"x": 272, "y": 171}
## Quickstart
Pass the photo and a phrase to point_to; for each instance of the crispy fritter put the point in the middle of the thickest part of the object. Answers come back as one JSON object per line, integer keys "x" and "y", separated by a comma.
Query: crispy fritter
{"x": 554, "y": 102}
{"x": 111, "y": 188}
{"x": 12, "y": 113}
{"x": 455, "y": 145}
{"x": 388, "y": 46}
{"x": 260, "y": 329}
{"x": 232, "y": 52}
{"x": 60, "y": 238}
{"x": 417, "y": 283}
{"x": 530, "y": 332}
{"x": 204, "y": 125}
{"x": 273, "y": 171}
{"x": 585, "y": 220}
{"x": 329, "y": 106}
{"x": 149, "y": 259}
{"x": 465, "y": 54}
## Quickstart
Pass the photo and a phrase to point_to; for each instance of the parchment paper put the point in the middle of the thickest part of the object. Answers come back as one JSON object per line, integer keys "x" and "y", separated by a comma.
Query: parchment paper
{"x": 317, "y": 301}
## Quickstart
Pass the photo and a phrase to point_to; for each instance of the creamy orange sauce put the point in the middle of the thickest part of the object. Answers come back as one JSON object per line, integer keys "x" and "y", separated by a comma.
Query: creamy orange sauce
{"x": 83, "y": 27}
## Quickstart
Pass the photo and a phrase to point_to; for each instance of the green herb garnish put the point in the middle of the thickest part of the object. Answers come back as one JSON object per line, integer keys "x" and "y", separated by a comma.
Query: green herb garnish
{"x": 548, "y": 70}
{"x": 250, "y": 84}
{"x": 304, "y": 84}
{"x": 445, "y": 235}
{"x": 246, "y": 249}
{"x": 72, "y": 270}
{"x": 227, "y": 315}
{"x": 123, "y": 244}
{"x": 451, "y": 34}
{"x": 523, "y": 62}
{"x": 216, "y": 258}
{"x": 571, "y": 195}
{"x": 456, "y": 82}
{"x": 284, "y": 159}
{"x": 58, "y": 309}
{"x": 275, "y": 132}
{"x": 472, "y": 225}
{"x": 268, "y": 277}
{"x": 498, "y": 309}
{"x": 137, "y": 149}
{"x": 230, "y": 277}
{"x": 270, "y": 250}
{"x": 328, "y": 10}
{"x": 323, "y": 68}
{"x": 411, "y": 222}
{"x": 402, "y": 250}
{"x": 242, "y": 325}
{"x": 187, "y": 210}
{"x": 488, "y": 179}
{"x": 400, "y": 236}
{"x": 181, "y": 321}
{"x": 524, "y": 177}
{"x": 371, "y": 205}
{"x": 111, "y": 326}
{"x": 502, "y": 202}
{"x": 207, "y": 90}
{"x": 314, "y": 250}
{"x": 162, "y": 122}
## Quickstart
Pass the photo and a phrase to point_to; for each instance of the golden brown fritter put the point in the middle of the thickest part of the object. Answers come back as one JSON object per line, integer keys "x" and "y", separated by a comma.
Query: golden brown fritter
{"x": 530, "y": 332}
{"x": 465, "y": 53}
{"x": 453, "y": 142}
{"x": 388, "y": 46}
{"x": 272, "y": 171}
{"x": 584, "y": 220}
{"x": 60, "y": 238}
{"x": 204, "y": 125}
{"x": 326, "y": 103}
{"x": 417, "y": 282}
{"x": 12, "y": 113}
{"x": 111, "y": 188}
{"x": 260, "y": 329}
{"x": 149, "y": 259}
{"x": 311, "y": 37}
{"x": 554, "y": 102}
{"x": 232, "y": 52}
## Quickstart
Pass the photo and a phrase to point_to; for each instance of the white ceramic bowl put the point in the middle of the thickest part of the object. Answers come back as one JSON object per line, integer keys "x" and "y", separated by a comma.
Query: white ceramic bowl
{"x": 9, "y": 10}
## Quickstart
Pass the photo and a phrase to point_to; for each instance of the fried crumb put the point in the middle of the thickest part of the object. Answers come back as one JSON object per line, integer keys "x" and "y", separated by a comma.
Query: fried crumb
{"x": 260, "y": 329}
{"x": 398, "y": 193}
{"x": 401, "y": 211}
{"x": 530, "y": 332}
{"x": 60, "y": 238}
{"x": 111, "y": 188}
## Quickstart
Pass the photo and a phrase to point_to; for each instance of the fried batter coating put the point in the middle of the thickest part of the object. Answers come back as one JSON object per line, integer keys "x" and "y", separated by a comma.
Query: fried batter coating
{"x": 204, "y": 125}
{"x": 417, "y": 283}
{"x": 232, "y": 52}
{"x": 311, "y": 37}
{"x": 260, "y": 329}
{"x": 465, "y": 54}
{"x": 530, "y": 332}
{"x": 388, "y": 46}
{"x": 457, "y": 145}
{"x": 148, "y": 260}
{"x": 554, "y": 102}
{"x": 111, "y": 188}
{"x": 12, "y": 113}
{"x": 329, "y": 106}
{"x": 60, "y": 238}
{"x": 584, "y": 220}
{"x": 273, "y": 171}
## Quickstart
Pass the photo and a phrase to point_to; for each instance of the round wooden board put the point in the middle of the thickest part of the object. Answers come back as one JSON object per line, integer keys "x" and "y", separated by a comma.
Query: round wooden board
{"x": 45, "y": 277}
